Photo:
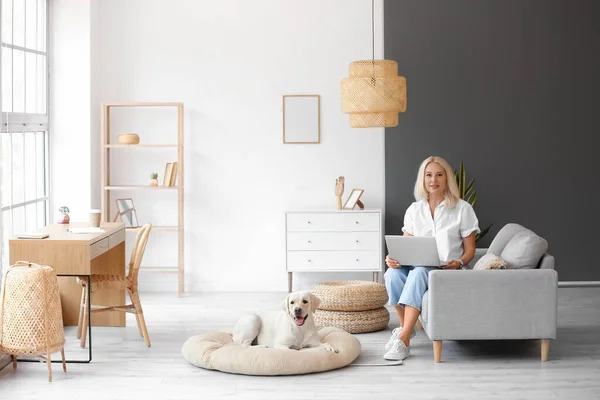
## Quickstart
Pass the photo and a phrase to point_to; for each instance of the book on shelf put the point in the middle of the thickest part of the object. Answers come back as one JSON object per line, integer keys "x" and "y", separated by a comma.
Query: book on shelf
{"x": 168, "y": 173}
{"x": 174, "y": 174}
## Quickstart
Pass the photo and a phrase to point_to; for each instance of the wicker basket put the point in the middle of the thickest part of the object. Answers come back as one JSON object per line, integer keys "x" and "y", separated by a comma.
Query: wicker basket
{"x": 354, "y": 321}
{"x": 350, "y": 295}
{"x": 31, "y": 321}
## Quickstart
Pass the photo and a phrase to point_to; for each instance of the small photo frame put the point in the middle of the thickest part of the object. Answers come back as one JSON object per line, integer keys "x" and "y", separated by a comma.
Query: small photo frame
{"x": 354, "y": 200}
{"x": 126, "y": 212}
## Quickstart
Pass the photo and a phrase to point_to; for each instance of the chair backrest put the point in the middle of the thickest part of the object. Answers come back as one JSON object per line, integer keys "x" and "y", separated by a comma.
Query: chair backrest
{"x": 137, "y": 253}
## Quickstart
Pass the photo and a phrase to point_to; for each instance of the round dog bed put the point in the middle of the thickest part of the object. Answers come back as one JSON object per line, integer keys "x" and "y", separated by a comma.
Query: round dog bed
{"x": 350, "y": 295}
{"x": 354, "y": 321}
{"x": 216, "y": 350}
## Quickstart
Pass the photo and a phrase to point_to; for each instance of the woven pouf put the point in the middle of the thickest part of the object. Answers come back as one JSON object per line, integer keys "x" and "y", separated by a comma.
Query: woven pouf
{"x": 350, "y": 295}
{"x": 354, "y": 321}
{"x": 354, "y": 306}
{"x": 31, "y": 321}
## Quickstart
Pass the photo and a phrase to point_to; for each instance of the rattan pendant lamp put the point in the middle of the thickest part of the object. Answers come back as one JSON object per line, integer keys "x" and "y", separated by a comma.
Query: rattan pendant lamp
{"x": 373, "y": 94}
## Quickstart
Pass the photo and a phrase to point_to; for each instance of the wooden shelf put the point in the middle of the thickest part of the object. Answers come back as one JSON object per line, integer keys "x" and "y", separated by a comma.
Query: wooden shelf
{"x": 147, "y": 146}
{"x": 141, "y": 187}
{"x": 155, "y": 228}
{"x": 145, "y": 104}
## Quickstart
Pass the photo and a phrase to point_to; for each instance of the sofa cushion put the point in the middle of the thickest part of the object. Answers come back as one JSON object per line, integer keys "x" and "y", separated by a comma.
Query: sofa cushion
{"x": 524, "y": 250}
{"x": 503, "y": 237}
{"x": 490, "y": 261}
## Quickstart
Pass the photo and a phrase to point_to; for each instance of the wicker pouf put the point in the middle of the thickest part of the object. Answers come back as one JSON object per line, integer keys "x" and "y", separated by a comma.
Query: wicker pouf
{"x": 350, "y": 295}
{"x": 354, "y": 321}
{"x": 354, "y": 306}
{"x": 31, "y": 321}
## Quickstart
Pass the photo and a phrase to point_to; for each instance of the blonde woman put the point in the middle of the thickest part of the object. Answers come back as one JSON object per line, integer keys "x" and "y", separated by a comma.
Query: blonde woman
{"x": 440, "y": 212}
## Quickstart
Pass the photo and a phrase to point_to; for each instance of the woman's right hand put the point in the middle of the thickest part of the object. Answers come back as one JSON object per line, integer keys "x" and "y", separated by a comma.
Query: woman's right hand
{"x": 390, "y": 262}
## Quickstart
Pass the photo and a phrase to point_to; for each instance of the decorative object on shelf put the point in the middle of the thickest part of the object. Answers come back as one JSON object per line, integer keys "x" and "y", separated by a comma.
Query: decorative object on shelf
{"x": 339, "y": 192}
{"x": 154, "y": 179}
{"x": 469, "y": 194}
{"x": 373, "y": 94}
{"x": 126, "y": 212}
{"x": 31, "y": 322}
{"x": 95, "y": 217}
{"x": 128, "y": 138}
{"x": 354, "y": 200}
{"x": 170, "y": 174}
{"x": 301, "y": 119}
{"x": 64, "y": 215}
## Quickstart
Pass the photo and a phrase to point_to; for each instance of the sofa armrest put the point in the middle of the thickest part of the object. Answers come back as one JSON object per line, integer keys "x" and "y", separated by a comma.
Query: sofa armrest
{"x": 492, "y": 304}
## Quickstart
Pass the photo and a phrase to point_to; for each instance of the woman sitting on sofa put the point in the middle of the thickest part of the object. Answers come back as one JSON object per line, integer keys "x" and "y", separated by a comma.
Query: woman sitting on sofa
{"x": 440, "y": 212}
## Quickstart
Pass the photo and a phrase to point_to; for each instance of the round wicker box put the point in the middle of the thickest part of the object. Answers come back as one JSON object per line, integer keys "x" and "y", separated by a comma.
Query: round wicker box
{"x": 31, "y": 321}
{"x": 350, "y": 295}
{"x": 354, "y": 321}
{"x": 128, "y": 138}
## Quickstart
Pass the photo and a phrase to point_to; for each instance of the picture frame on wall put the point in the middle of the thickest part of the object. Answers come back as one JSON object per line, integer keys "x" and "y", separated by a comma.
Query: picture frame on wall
{"x": 354, "y": 200}
{"x": 301, "y": 119}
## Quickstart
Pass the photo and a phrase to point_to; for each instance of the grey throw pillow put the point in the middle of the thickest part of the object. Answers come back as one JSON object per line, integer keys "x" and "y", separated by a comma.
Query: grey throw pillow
{"x": 524, "y": 250}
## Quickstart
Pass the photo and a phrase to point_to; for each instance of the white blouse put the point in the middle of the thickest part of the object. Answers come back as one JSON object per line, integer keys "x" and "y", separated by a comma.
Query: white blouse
{"x": 448, "y": 226}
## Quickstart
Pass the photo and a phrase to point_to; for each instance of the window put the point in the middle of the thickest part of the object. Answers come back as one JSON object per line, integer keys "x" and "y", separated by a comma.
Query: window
{"x": 24, "y": 119}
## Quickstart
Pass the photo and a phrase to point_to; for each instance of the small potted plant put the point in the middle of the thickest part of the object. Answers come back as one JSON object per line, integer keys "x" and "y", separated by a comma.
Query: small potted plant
{"x": 154, "y": 179}
{"x": 64, "y": 215}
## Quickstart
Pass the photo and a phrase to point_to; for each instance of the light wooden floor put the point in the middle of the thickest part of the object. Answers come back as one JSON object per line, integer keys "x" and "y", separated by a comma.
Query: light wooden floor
{"x": 123, "y": 368}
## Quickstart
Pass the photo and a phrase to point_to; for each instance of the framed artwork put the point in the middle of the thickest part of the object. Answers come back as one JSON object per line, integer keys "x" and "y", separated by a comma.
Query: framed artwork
{"x": 354, "y": 200}
{"x": 301, "y": 119}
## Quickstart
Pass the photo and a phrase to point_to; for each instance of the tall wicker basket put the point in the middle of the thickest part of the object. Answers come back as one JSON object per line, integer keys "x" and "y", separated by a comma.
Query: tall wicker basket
{"x": 31, "y": 321}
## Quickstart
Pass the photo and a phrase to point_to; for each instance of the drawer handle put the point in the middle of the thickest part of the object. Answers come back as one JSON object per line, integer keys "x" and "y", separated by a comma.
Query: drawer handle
{"x": 309, "y": 260}
{"x": 309, "y": 222}
{"x": 357, "y": 241}
{"x": 357, "y": 222}
{"x": 309, "y": 241}
{"x": 357, "y": 260}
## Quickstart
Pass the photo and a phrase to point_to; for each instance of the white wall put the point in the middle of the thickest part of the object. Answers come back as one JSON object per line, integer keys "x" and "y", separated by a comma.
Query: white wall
{"x": 69, "y": 107}
{"x": 230, "y": 62}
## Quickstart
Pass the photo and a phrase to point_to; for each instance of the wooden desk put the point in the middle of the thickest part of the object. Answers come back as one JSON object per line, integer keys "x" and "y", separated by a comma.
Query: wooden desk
{"x": 79, "y": 254}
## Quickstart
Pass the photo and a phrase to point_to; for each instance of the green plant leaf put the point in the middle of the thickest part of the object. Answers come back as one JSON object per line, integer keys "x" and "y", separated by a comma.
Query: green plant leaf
{"x": 469, "y": 187}
{"x": 471, "y": 199}
{"x": 483, "y": 232}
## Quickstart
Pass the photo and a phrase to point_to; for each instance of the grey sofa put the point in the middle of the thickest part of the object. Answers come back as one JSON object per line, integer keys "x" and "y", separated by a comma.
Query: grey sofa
{"x": 515, "y": 303}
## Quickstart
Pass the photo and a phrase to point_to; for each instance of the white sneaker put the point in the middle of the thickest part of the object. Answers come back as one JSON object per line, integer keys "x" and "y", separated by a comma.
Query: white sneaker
{"x": 395, "y": 335}
{"x": 399, "y": 351}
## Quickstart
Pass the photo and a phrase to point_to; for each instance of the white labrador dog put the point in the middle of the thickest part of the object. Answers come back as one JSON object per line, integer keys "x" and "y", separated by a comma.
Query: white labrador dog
{"x": 291, "y": 328}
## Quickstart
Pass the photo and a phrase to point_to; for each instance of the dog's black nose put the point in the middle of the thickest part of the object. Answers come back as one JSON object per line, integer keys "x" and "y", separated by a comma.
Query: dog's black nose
{"x": 298, "y": 311}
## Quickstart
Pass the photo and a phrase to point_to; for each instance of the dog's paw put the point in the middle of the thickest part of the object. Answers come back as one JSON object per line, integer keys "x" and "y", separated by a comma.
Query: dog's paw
{"x": 329, "y": 347}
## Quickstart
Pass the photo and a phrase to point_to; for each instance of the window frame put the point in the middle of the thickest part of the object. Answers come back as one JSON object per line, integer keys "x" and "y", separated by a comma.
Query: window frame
{"x": 26, "y": 123}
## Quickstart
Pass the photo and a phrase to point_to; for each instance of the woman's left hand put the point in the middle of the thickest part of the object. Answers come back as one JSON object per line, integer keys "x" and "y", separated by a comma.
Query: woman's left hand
{"x": 453, "y": 264}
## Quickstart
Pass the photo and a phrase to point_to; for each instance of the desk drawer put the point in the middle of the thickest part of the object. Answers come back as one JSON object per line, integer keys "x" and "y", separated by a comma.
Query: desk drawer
{"x": 116, "y": 238}
{"x": 98, "y": 248}
{"x": 333, "y": 241}
{"x": 333, "y": 261}
{"x": 333, "y": 222}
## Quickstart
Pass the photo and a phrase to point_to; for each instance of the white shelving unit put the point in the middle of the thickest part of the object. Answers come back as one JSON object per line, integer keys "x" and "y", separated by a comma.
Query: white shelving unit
{"x": 107, "y": 188}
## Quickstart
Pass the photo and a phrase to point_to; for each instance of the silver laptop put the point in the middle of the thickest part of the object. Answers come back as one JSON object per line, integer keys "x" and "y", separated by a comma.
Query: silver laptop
{"x": 413, "y": 250}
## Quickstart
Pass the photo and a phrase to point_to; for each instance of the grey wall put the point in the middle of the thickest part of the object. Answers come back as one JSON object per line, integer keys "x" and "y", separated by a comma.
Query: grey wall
{"x": 512, "y": 87}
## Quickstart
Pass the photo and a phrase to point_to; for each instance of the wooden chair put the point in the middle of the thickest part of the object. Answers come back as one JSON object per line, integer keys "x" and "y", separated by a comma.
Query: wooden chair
{"x": 117, "y": 282}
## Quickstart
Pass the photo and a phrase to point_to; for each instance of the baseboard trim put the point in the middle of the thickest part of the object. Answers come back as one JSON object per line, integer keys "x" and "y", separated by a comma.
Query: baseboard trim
{"x": 579, "y": 284}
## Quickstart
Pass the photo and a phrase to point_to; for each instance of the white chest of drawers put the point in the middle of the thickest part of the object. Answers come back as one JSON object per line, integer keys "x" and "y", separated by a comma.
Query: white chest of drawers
{"x": 333, "y": 241}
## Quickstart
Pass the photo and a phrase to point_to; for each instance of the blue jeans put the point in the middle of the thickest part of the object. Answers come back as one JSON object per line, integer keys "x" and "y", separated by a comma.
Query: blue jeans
{"x": 407, "y": 285}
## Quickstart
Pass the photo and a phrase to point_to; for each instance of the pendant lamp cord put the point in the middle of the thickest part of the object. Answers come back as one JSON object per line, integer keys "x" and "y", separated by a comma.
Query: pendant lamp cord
{"x": 373, "y": 27}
